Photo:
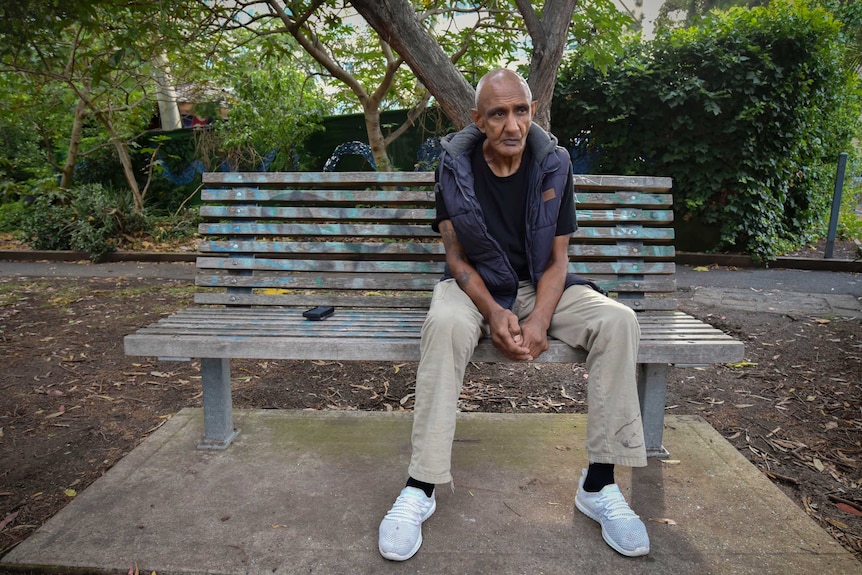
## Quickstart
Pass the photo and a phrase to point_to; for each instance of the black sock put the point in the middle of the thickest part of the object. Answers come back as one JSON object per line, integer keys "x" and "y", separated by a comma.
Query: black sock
{"x": 428, "y": 488}
{"x": 598, "y": 476}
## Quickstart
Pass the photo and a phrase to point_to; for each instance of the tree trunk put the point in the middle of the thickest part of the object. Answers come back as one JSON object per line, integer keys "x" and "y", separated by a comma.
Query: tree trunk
{"x": 129, "y": 172}
{"x": 74, "y": 145}
{"x": 549, "y": 35}
{"x": 396, "y": 23}
{"x": 375, "y": 137}
{"x": 169, "y": 112}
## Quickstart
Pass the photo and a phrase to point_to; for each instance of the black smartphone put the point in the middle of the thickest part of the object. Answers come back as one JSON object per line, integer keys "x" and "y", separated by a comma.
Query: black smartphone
{"x": 318, "y": 313}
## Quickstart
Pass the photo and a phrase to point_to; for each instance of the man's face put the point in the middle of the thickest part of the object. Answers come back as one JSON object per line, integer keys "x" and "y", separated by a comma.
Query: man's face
{"x": 504, "y": 115}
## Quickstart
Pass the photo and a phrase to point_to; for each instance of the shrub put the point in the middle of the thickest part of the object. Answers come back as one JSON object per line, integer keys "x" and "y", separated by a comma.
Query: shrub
{"x": 88, "y": 218}
{"x": 747, "y": 112}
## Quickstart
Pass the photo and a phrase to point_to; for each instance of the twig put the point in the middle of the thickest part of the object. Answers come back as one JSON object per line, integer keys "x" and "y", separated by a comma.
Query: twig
{"x": 780, "y": 477}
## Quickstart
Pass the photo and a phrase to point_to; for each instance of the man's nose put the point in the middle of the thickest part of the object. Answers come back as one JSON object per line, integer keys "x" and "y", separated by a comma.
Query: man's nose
{"x": 511, "y": 123}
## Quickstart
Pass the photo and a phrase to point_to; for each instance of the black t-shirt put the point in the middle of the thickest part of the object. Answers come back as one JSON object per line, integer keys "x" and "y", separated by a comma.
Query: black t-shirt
{"x": 503, "y": 202}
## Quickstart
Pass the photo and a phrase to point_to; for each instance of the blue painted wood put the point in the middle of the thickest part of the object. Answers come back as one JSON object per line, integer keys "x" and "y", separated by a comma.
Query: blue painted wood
{"x": 245, "y": 194}
{"x": 292, "y": 230}
{"x": 429, "y": 248}
{"x": 352, "y": 214}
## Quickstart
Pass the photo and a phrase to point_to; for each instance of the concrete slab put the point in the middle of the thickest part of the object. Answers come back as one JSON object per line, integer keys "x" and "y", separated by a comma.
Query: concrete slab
{"x": 303, "y": 492}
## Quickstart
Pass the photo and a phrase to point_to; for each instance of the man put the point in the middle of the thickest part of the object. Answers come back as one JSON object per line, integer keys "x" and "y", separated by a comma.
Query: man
{"x": 505, "y": 210}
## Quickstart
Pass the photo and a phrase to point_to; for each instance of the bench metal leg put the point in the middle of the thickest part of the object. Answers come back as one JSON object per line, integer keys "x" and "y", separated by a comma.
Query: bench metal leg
{"x": 218, "y": 408}
{"x": 652, "y": 391}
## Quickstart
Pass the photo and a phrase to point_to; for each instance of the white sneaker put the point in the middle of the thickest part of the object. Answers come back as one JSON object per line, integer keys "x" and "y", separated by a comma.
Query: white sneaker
{"x": 400, "y": 533}
{"x": 622, "y": 529}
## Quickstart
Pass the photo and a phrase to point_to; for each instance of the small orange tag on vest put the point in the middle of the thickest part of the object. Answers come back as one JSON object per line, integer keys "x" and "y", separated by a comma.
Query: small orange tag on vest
{"x": 549, "y": 195}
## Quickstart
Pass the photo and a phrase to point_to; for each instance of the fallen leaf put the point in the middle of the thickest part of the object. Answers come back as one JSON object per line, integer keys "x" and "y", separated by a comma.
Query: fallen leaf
{"x": 818, "y": 465}
{"x": 849, "y": 509}
{"x": 9, "y": 519}
{"x": 701, "y": 269}
{"x": 830, "y": 425}
{"x": 671, "y": 461}
{"x": 564, "y": 448}
{"x": 744, "y": 363}
{"x": 664, "y": 520}
{"x": 822, "y": 320}
{"x": 70, "y": 492}
{"x": 838, "y": 524}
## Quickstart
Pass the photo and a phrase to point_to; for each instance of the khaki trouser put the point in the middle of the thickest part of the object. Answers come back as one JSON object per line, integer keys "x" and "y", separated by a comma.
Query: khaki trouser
{"x": 584, "y": 318}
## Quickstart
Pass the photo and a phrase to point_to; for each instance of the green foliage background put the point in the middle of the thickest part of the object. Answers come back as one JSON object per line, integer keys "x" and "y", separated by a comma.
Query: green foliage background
{"x": 747, "y": 111}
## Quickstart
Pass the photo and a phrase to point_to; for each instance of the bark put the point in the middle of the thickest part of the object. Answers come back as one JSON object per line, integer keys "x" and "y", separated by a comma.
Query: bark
{"x": 129, "y": 172}
{"x": 396, "y": 23}
{"x": 375, "y": 137}
{"x": 169, "y": 111}
{"x": 74, "y": 145}
{"x": 549, "y": 35}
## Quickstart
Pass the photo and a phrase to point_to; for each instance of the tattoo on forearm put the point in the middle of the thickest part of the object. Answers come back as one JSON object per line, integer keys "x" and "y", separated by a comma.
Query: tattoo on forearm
{"x": 451, "y": 243}
{"x": 463, "y": 279}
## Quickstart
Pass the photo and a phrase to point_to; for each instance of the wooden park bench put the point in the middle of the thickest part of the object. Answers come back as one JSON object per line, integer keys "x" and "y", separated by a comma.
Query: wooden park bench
{"x": 278, "y": 244}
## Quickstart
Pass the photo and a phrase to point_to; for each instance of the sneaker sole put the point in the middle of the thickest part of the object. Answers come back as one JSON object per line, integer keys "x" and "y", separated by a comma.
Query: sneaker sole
{"x": 640, "y": 551}
{"x": 412, "y": 552}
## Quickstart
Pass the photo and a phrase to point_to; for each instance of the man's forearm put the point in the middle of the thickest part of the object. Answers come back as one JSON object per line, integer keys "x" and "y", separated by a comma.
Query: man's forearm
{"x": 550, "y": 288}
{"x": 465, "y": 274}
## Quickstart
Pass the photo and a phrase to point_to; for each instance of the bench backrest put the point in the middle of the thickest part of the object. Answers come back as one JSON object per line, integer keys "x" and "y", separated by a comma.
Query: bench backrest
{"x": 364, "y": 238}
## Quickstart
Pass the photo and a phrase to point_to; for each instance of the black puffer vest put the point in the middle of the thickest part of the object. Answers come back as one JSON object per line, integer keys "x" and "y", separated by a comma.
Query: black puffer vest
{"x": 550, "y": 175}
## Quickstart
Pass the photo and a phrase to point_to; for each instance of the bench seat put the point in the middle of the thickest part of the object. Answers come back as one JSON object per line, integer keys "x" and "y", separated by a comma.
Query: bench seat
{"x": 276, "y": 244}
{"x": 390, "y": 334}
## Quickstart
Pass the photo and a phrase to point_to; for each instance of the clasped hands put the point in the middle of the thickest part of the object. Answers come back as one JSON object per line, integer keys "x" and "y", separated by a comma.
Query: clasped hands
{"x": 519, "y": 341}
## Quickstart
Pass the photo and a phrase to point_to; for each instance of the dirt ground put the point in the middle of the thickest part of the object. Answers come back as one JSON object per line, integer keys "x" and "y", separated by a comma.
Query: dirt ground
{"x": 72, "y": 404}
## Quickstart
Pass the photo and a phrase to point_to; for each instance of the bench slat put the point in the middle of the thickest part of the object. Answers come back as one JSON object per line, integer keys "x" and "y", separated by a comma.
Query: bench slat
{"x": 373, "y": 301}
{"x": 312, "y": 197}
{"x": 317, "y": 229}
{"x": 244, "y": 194}
{"x": 611, "y": 182}
{"x": 351, "y": 214}
{"x": 332, "y": 179}
{"x": 397, "y": 282}
{"x": 394, "y": 266}
{"x": 409, "y": 231}
{"x": 311, "y": 249}
{"x": 311, "y": 213}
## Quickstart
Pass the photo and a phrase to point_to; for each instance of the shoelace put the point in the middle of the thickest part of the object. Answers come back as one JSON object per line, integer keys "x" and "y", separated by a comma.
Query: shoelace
{"x": 407, "y": 508}
{"x": 615, "y": 507}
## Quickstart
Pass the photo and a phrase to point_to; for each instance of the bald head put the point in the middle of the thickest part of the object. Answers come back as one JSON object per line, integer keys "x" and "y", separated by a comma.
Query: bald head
{"x": 502, "y": 76}
{"x": 504, "y": 113}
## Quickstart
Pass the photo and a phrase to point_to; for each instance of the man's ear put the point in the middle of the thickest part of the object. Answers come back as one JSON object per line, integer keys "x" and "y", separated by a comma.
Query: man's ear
{"x": 534, "y": 106}
{"x": 477, "y": 119}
